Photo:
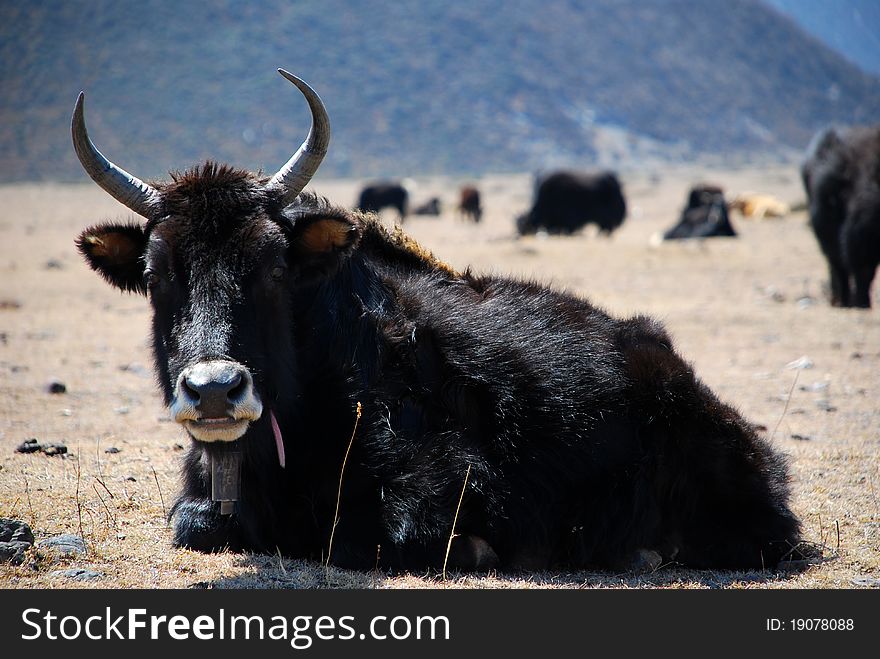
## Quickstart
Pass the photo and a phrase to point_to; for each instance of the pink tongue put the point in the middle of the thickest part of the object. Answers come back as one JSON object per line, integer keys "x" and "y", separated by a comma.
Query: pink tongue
{"x": 279, "y": 443}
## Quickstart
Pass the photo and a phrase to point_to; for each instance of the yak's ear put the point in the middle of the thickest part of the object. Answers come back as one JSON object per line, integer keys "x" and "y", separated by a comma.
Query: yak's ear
{"x": 116, "y": 251}
{"x": 320, "y": 241}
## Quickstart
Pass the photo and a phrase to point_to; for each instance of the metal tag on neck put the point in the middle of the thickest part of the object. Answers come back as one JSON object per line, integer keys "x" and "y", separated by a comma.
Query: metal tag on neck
{"x": 226, "y": 479}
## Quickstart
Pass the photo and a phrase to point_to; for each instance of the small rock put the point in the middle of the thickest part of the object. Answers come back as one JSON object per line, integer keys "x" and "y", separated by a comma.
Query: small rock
{"x": 121, "y": 410}
{"x": 774, "y": 294}
{"x": 54, "y": 264}
{"x": 136, "y": 369}
{"x": 13, "y": 552}
{"x": 13, "y": 530}
{"x": 825, "y": 406}
{"x": 178, "y": 447}
{"x": 65, "y": 545}
{"x": 816, "y": 386}
{"x": 801, "y": 438}
{"x": 111, "y": 450}
{"x": 805, "y": 302}
{"x": 870, "y": 582}
{"x": 56, "y": 387}
{"x": 28, "y": 446}
{"x": 131, "y": 479}
{"x": 66, "y": 412}
{"x": 76, "y": 574}
{"x": 33, "y": 446}
{"x": 803, "y": 362}
{"x": 6, "y": 305}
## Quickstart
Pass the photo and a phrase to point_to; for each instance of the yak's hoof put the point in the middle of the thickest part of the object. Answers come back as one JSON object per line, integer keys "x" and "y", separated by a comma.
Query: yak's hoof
{"x": 471, "y": 553}
{"x": 199, "y": 525}
{"x": 642, "y": 561}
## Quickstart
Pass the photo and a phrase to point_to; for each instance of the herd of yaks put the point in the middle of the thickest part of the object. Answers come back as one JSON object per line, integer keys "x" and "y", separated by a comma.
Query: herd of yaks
{"x": 841, "y": 176}
{"x": 567, "y": 200}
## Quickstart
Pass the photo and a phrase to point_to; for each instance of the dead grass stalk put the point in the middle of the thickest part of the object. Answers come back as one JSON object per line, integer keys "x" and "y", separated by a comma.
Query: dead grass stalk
{"x": 455, "y": 520}
{"x": 339, "y": 490}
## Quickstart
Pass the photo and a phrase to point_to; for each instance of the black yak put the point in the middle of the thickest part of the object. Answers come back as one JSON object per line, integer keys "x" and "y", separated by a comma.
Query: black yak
{"x": 384, "y": 194}
{"x": 704, "y": 216}
{"x": 293, "y": 337}
{"x": 431, "y": 207}
{"x": 841, "y": 175}
{"x": 566, "y": 201}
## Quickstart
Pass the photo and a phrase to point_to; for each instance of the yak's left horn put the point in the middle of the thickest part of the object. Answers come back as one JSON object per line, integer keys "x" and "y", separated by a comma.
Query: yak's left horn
{"x": 140, "y": 197}
{"x": 296, "y": 174}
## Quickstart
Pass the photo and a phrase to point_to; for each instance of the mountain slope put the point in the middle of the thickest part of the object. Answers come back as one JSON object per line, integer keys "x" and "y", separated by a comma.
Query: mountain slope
{"x": 852, "y": 27}
{"x": 414, "y": 88}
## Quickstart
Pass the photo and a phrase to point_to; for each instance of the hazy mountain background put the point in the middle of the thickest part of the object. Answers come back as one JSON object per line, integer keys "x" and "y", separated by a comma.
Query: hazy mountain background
{"x": 419, "y": 87}
{"x": 852, "y": 27}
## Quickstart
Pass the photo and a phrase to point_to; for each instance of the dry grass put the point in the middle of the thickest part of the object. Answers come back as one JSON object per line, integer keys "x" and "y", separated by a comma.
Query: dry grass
{"x": 740, "y": 310}
{"x": 339, "y": 489}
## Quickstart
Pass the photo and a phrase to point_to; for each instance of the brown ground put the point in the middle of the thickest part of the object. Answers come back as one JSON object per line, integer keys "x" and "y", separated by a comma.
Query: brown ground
{"x": 740, "y": 309}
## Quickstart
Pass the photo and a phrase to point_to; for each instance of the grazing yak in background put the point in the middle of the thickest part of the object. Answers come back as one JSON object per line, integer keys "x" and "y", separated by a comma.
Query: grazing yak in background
{"x": 566, "y": 201}
{"x": 387, "y": 194}
{"x": 841, "y": 175}
{"x": 338, "y": 380}
{"x": 704, "y": 216}
{"x": 469, "y": 206}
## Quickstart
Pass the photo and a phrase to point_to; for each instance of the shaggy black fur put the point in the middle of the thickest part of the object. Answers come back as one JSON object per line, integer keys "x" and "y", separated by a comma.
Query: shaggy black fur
{"x": 841, "y": 175}
{"x": 566, "y": 202}
{"x": 587, "y": 437}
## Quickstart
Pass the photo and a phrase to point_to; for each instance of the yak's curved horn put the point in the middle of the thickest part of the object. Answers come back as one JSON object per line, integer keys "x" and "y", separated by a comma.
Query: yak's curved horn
{"x": 295, "y": 175}
{"x": 140, "y": 197}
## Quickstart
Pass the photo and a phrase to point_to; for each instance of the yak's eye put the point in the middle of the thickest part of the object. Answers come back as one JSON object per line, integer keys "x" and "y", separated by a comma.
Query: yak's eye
{"x": 150, "y": 278}
{"x": 277, "y": 273}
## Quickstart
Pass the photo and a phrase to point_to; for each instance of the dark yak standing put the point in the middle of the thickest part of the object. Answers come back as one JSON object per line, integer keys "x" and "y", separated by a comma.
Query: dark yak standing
{"x": 565, "y": 202}
{"x": 704, "y": 216}
{"x": 841, "y": 175}
{"x": 375, "y": 197}
{"x": 582, "y": 439}
{"x": 469, "y": 205}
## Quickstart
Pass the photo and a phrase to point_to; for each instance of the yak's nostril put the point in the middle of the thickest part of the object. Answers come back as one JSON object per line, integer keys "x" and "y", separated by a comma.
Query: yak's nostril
{"x": 237, "y": 388}
{"x": 189, "y": 391}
